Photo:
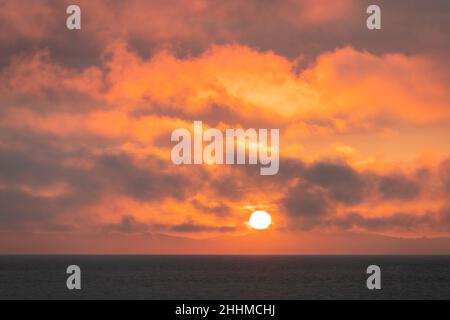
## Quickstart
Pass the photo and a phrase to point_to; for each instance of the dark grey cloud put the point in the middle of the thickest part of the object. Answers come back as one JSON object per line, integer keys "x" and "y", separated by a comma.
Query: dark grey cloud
{"x": 218, "y": 210}
{"x": 39, "y": 162}
{"x": 190, "y": 227}
{"x": 444, "y": 173}
{"x": 344, "y": 184}
{"x": 305, "y": 200}
{"x": 73, "y": 49}
{"x": 409, "y": 26}
{"x": 399, "y": 187}
{"x": 398, "y": 221}
{"x": 323, "y": 188}
{"x": 341, "y": 184}
{"x": 404, "y": 221}
{"x": 140, "y": 183}
{"x": 17, "y": 207}
{"x": 21, "y": 168}
{"x": 229, "y": 187}
{"x": 127, "y": 224}
{"x": 312, "y": 192}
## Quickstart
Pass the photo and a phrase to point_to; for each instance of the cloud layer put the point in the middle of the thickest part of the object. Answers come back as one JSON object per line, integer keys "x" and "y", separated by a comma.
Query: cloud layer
{"x": 86, "y": 119}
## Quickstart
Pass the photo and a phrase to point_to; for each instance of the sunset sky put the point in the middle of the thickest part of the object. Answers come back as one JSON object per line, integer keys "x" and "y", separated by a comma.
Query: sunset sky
{"x": 86, "y": 118}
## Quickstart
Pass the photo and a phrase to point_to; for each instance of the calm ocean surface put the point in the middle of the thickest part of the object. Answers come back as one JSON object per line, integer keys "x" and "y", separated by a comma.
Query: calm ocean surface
{"x": 224, "y": 277}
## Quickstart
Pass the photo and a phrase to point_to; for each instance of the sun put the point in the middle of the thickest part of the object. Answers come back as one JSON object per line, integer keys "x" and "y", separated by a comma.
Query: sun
{"x": 260, "y": 220}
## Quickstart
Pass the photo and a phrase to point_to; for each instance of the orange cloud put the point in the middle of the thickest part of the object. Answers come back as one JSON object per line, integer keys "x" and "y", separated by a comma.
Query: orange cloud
{"x": 342, "y": 82}
{"x": 86, "y": 149}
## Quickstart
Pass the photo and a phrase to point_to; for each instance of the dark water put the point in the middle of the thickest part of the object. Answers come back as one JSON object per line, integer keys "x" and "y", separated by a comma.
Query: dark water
{"x": 224, "y": 277}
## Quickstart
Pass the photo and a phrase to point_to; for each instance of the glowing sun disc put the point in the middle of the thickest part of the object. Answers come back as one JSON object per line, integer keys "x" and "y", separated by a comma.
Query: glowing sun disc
{"x": 260, "y": 220}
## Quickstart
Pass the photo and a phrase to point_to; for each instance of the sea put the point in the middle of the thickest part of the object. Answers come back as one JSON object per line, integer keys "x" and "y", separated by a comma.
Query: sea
{"x": 224, "y": 277}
